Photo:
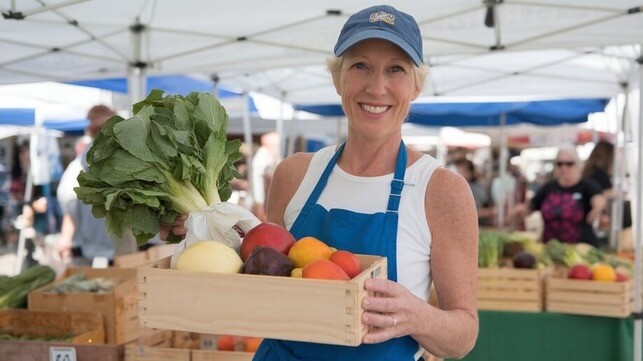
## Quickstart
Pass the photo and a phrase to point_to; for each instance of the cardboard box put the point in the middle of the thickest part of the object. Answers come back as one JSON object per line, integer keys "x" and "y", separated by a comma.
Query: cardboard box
{"x": 117, "y": 307}
{"x": 586, "y": 297}
{"x": 509, "y": 289}
{"x": 323, "y": 311}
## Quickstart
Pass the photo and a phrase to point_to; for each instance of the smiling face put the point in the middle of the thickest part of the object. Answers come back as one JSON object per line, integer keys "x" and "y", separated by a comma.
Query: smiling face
{"x": 377, "y": 84}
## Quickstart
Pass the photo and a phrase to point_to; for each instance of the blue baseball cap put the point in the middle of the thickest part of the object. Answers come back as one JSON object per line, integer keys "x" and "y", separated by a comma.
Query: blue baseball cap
{"x": 382, "y": 22}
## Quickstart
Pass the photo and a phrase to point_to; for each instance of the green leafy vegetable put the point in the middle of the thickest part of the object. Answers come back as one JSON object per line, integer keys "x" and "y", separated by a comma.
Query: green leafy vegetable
{"x": 172, "y": 156}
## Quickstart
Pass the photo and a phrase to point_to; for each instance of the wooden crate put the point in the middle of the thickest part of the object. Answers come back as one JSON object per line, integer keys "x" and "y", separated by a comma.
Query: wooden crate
{"x": 173, "y": 351}
{"x": 117, "y": 307}
{"x": 84, "y": 327}
{"x": 87, "y": 329}
{"x": 586, "y": 297}
{"x": 324, "y": 311}
{"x": 139, "y": 259}
{"x": 509, "y": 289}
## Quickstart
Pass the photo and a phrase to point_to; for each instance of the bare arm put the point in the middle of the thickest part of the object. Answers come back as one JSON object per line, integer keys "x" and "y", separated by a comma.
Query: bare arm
{"x": 598, "y": 202}
{"x": 285, "y": 182}
{"x": 452, "y": 329}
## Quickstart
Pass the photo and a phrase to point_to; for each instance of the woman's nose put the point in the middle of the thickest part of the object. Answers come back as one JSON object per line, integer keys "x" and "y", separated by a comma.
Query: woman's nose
{"x": 376, "y": 84}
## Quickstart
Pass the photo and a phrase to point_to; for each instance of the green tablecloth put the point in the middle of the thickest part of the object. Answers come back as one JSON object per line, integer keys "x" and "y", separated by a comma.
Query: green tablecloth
{"x": 518, "y": 336}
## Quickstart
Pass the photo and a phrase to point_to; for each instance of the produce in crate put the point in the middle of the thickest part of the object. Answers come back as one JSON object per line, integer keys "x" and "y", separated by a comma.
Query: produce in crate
{"x": 579, "y": 271}
{"x": 14, "y": 290}
{"x": 209, "y": 256}
{"x": 268, "y": 261}
{"x": 266, "y": 234}
{"x": 171, "y": 157}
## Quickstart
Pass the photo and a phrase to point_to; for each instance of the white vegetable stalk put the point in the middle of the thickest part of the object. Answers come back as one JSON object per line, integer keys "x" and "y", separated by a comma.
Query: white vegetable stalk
{"x": 216, "y": 223}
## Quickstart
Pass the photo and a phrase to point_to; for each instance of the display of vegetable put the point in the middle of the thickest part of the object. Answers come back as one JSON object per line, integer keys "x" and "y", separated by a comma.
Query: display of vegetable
{"x": 171, "y": 157}
{"x": 79, "y": 283}
{"x": 14, "y": 290}
{"x": 490, "y": 248}
{"x": 28, "y": 337}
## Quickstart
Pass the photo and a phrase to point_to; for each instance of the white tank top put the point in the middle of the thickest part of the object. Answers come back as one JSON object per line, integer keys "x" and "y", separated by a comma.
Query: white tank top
{"x": 370, "y": 195}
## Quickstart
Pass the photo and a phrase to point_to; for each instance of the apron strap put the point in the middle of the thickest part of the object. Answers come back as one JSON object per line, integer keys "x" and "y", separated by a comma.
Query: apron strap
{"x": 398, "y": 180}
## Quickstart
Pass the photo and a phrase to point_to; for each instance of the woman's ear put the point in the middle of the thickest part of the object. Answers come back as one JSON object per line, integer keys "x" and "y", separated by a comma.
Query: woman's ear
{"x": 416, "y": 94}
{"x": 335, "y": 76}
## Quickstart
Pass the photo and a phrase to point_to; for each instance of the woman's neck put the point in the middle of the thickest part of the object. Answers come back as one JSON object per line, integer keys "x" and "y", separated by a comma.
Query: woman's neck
{"x": 369, "y": 158}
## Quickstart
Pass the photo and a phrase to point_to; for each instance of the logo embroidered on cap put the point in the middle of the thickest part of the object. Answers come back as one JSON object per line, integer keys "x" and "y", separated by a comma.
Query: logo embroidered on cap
{"x": 382, "y": 16}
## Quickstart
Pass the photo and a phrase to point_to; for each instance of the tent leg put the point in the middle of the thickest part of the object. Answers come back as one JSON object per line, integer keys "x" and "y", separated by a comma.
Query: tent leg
{"x": 638, "y": 224}
{"x": 247, "y": 135}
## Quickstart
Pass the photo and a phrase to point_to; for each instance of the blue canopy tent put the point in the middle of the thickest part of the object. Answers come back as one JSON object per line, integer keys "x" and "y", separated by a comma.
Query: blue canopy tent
{"x": 457, "y": 114}
{"x": 172, "y": 84}
{"x": 17, "y": 116}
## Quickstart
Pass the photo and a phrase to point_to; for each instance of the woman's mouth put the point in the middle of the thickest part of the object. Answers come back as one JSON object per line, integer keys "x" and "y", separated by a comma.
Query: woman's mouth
{"x": 374, "y": 109}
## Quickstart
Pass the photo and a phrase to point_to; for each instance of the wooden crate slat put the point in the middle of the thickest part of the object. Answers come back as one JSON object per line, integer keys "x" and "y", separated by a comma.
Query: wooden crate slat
{"x": 491, "y": 305}
{"x": 589, "y": 309}
{"x": 590, "y": 297}
{"x": 587, "y": 285}
{"x": 509, "y": 284}
{"x": 510, "y": 273}
{"x": 509, "y": 295}
{"x": 207, "y": 355}
{"x": 146, "y": 353}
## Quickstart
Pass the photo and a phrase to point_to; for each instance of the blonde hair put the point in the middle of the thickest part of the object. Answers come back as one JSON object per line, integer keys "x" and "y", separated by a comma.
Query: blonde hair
{"x": 334, "y": 65}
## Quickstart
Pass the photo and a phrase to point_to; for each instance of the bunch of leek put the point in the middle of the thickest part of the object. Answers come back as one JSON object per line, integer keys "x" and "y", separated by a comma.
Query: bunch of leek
{"x": 171, "y": 157}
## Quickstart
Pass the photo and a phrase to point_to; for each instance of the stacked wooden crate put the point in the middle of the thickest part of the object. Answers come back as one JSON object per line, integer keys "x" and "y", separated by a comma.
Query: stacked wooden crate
{"x": 587, "y": 297}
{"x": 509, "y": 289}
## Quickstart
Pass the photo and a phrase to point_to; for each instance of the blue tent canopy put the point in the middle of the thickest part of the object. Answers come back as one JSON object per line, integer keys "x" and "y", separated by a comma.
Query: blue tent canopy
{"x": 539, "y": 112}
{"x": 17, "y": 116}
{"x": 174, "y": 84}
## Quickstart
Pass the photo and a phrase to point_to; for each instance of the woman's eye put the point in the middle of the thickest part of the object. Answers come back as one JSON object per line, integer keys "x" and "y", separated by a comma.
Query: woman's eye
{"x": 359, "y": 66}
{"x": 397, "y": 69}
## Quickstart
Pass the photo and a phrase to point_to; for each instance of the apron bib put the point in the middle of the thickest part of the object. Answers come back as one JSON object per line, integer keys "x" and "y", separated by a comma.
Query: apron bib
{"x": 360, "y": 233}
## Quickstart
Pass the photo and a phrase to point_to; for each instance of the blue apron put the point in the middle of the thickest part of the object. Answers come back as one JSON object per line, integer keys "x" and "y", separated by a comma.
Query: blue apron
{"x": 359, "y": 233}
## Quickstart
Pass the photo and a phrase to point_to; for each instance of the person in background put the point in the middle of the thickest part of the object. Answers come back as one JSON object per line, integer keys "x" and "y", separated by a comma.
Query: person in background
{"x": 598, "y": 166}
{"x": 264, "y": 162}
{"x": 569, "y": 204}
{"x": 374, "y": 195}
{"x": 83, "y": 237}
{"x": 481, "y": 196}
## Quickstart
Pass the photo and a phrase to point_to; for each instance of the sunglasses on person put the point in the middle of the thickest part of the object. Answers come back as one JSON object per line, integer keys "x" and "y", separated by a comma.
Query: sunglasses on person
{"x": 566, "y": 164}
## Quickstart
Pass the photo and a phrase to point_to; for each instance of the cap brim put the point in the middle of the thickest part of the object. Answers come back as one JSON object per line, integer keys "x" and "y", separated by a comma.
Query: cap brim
{"x": 379, "y": 34}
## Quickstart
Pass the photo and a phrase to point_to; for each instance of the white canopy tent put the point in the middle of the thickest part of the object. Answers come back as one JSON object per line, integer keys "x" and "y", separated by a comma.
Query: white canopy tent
{"x": 550, "y": 47}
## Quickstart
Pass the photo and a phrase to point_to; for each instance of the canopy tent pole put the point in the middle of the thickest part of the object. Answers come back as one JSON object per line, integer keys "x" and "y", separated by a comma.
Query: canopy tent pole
{"x": 616, "y": 223}
{"x": 638, "y": 224}
{"x": 137, "y": 71}
{"x": 279, "y": 125}
{"x": 247, "y": 138}
{"x": 502, "y": 167}
{"x": 293, "y": 134}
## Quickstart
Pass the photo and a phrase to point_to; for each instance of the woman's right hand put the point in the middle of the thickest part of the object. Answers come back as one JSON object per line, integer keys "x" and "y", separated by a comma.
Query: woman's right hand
{"x": 177, "y": 228}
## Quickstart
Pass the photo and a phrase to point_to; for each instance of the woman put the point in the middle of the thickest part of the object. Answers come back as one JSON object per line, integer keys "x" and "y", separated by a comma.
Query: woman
{"x": 569, "y": 204}
{"x": 374, "y": 195}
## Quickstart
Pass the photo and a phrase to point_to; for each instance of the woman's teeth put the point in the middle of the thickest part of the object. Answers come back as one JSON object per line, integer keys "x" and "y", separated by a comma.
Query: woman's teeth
{"x": 374, "y": 109}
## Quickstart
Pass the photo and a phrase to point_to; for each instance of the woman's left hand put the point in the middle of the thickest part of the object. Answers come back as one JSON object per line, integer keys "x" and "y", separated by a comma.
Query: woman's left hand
{"x": 391, "y": 312}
